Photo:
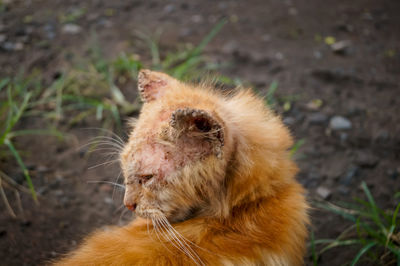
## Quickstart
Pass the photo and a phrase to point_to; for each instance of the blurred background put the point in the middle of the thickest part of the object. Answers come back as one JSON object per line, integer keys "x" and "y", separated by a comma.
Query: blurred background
{"x": 68, "y": 71}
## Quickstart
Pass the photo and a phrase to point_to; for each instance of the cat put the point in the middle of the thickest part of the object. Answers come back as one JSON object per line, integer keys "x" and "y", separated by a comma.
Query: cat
{"x": 210, "y": 179}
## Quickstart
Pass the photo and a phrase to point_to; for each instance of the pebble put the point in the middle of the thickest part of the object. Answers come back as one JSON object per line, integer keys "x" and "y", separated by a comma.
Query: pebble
{"x": 323, "y": 192}
{"x": 10, "y": 46}
{"x": 169, "y": 8}
{"x": 340, "y": 123}
{"x": 71, "y": 29}
{"x": 108, "y": 200}
{"x": 349, "y": 175}
{"x": 317, "y": 118}
{"x": 341, "y": 47}
{"x": 289, "y": 121}
{"x": 367, "y": 160}
{"x": 230, "y": 47}
{"x": 197, "y": 18}
{"x": 343, "y": 190}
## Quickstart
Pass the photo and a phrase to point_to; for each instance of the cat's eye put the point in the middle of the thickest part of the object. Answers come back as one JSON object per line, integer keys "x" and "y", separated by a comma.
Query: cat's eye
{"x": 142, "y": 179}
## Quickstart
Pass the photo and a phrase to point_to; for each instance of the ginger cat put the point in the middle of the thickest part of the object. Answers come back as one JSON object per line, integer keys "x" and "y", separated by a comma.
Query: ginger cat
{"x": 211, "y": 182}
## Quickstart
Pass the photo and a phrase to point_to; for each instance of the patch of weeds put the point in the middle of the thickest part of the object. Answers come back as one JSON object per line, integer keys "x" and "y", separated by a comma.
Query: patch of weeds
{"x": 17, "y": 97}
{"x": 270, "y": 98}
{"x": 188, "y": 63}
{"x": 72, "y": 16}
{"x": 375, "y": 231}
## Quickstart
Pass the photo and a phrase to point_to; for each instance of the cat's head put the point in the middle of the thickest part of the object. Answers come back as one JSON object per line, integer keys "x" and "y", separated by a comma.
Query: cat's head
{"x": 175, "y": 160}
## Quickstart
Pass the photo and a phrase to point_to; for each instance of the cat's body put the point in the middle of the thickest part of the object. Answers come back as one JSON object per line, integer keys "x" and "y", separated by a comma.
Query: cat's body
{"x": 211, "y": 180}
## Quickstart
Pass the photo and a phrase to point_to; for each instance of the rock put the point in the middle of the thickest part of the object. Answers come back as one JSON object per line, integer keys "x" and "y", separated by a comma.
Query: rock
{"x": 289, "y": 121}
{"x": 108, "y": 200}
{"x": 340, "y": 123}
{"x": 71, "y": 29}
{"x": 343, "y": 190}
{"x": 393, "y": 174}
{"x": 317, "y": 118}
{"x": 349, "y": 175}
{"x": 341, "y": 47}
{"x": 10, "y": 46}
{"x": 169, "y": 8}
{"x": 266, "y": 37}
{"x": 3, "y": 37}
{"x": 323, "y": 192}
{"x": 343, "y": 137}
{"x": 317, "y": 54}
{"x": 314, "y": 104}
{"x": 197, "y": 18}
{"x": 184, "y": 32}
{"x": 230, "y": 47}
{"x": 366, "y": 160}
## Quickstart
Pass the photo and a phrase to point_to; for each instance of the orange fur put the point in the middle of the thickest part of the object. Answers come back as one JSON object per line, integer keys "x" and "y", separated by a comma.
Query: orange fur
{"x": 219, "y": 173}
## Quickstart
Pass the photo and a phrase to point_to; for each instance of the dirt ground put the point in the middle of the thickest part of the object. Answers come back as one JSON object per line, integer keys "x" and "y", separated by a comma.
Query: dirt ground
{"x": 264, "y": 41}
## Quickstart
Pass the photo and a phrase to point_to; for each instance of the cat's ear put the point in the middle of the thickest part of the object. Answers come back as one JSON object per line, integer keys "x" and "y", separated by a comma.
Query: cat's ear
{"x": 200, "y": 123}
{"x": 152, "y": 85}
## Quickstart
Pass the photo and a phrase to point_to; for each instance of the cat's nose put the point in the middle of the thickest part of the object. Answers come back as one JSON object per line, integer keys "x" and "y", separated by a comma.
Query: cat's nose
{"x": 131, "y": 206}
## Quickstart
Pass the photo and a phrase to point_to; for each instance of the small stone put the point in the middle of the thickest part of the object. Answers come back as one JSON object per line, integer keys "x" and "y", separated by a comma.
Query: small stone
{"x": 230, "y": 47}
{"x": 108, "y": 200}
{"x": 169, "y": 8}
{"x": 343, "y": 136}
{"x": 317, "y": 118}
{"x": 341, "y": 47}
{"x": 393, "y": 174}
{"x": 292, "y": 11}
{"x": 349, "y": 175}
{"x": 279, "y": 56}
{"x": 323, "y": 192}
{"x": 71, "y": 29}
{"x": 343, "y": 190}
{"x": 340, "y": 123}
{"x": 197, "y": 18}
{"x": 8, "y": 46}
{"x": 289, "y": 121}
{"x": 266, "y": 37}
{"x": 58, "y": 192}
{"x": 317, "y": 54}
{"x": 314, "y": 104}
{"x": 366, "y": 160}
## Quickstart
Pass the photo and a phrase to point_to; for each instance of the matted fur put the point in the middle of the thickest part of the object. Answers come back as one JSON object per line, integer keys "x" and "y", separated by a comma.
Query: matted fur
{"x": 215, "y": 188}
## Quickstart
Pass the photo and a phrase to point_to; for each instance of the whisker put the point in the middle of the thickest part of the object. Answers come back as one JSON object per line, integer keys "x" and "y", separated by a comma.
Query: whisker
{"x": 102, "y": 142}
{"x": 105, "y": 163}
{"x": 107, "y": 182}
{"x": 107, "y": 131}
{"x": 116, "y": 181}
{"x": 178, "y": 237}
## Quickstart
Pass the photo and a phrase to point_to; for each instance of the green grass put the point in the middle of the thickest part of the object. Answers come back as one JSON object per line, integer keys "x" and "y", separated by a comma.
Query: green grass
{"x": 374, "y": 231}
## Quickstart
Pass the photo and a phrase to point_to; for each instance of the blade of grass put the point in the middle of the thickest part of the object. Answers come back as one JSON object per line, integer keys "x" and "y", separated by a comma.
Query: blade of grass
{"x": 193, "y": 55}
{"x": 313, "y": 251}
{"x": 270, "y": 93}
{"x": 3, "y": 83}
{"x": 5, "y": 200}
{"x": 374, "y": 208}
{"x": 23, "y": 167}
{"x": 361, "y": 252}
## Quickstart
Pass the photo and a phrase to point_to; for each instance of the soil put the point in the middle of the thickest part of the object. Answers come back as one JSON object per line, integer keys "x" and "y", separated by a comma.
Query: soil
{"x": 263, "y": 41}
